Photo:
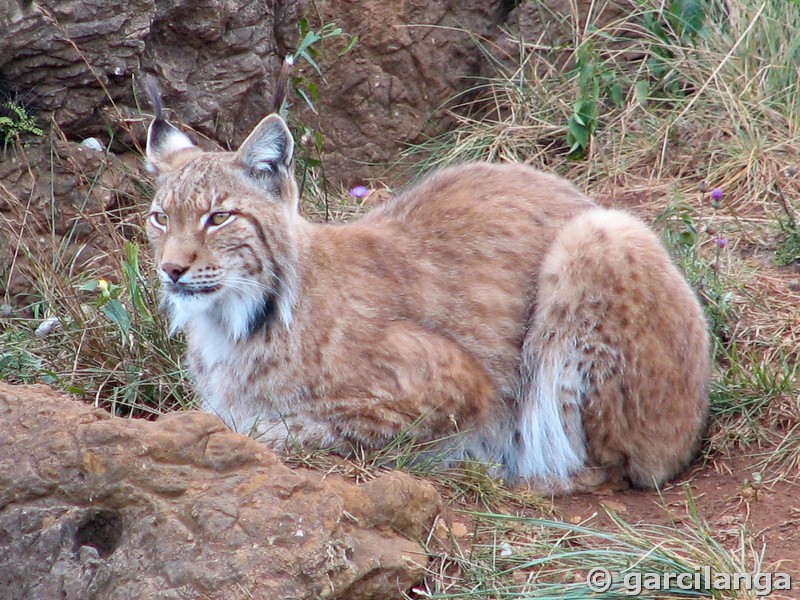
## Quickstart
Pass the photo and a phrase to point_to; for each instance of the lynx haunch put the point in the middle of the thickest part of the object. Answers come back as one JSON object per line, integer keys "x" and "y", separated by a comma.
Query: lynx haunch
{"x": 491, "y": 306}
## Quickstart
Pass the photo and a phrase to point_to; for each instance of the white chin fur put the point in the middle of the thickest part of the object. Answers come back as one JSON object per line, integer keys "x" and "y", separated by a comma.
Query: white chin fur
{"x": 233, "y": 312}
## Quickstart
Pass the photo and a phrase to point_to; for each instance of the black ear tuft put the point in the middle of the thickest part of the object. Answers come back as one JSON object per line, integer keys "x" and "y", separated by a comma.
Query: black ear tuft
{"x": 282, "y": 84}
{"x": 154, "y": 94}
{"x": 163, "y": 138}
{"x": 269, "y": 148}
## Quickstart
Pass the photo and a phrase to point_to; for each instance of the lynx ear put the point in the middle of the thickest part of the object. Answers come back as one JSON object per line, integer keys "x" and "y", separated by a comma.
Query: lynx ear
{"x": 165, "y": 143}
{"x": 269, "y": 148}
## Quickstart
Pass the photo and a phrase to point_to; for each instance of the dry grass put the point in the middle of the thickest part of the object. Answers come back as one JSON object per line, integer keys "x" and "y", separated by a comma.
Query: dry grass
{"x": 87, "y": 318}
{"x": 503, "y": 556}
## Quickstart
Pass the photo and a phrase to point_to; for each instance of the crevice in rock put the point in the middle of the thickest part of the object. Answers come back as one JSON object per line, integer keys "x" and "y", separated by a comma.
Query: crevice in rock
{"x": 505, "y": 8}
{"x": 100, "y": 529}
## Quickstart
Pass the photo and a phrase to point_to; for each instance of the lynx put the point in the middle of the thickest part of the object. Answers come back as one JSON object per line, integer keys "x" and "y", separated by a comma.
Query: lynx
{"x": 491, "y": 307}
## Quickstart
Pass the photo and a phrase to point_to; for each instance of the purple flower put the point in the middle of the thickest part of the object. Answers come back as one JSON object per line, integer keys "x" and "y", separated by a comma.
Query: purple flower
{"x": 359, "y": 191}
{"x": 722, "y": 243}
{"x": 717, "y": 194}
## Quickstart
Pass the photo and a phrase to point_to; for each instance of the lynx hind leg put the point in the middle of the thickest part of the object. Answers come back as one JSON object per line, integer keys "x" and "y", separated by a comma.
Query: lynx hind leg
{"x": 617, "y": 358}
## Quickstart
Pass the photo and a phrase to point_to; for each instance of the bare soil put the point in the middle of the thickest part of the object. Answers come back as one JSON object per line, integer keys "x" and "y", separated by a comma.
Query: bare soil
{"x": 720, "y": 494}
{"x": 725, "y": 497}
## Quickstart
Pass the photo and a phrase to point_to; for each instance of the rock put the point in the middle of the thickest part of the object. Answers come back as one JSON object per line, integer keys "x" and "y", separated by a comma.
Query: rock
{"x": 216, "y": 59}
{"x": 63, "y": 187}
{"x": 412, "y": 57}
{"x": 93, "y": 144}
{"x": 552, "y": 23}
{"x": 551, "y": 27}
{"x": 95, "y": 506}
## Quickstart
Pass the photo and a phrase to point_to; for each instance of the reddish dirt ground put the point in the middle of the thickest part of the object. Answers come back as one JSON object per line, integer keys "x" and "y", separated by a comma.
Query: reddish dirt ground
{"x": 769, "y": 513}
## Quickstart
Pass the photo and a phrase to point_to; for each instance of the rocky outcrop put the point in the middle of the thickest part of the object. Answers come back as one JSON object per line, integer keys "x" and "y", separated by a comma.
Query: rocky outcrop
{"x": 95, "y": 506}
{"x": 412, "y": 57}
{"x": 415, "y": 57}
{"x": 216, "y": 59}
{"x": 552, "y": 23}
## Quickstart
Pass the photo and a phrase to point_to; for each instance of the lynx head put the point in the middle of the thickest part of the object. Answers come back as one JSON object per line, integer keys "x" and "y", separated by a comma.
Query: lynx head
{"x": 222, "y": 228}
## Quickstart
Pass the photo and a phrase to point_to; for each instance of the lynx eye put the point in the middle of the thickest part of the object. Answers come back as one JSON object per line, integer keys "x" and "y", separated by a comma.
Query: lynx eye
{"x": 159, "y": 219}
{"x": 219, "y": 218}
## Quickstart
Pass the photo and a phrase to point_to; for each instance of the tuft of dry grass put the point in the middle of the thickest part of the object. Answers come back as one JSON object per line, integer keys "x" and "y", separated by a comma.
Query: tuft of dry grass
{"x": 507, "y": 556}
{"x": 88, "y": 321}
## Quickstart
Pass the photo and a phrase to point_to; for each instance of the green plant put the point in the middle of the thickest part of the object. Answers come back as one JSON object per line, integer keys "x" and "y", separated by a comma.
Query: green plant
{"x": 682, "y": 236}
{"x": 17, "y": 362}
{"x": 677, "y": 25}
{"x": 15, "y": 120}
{"x": 583, "y": 122}
{"x": 753, "y": 379}
{"x": 98, "y": 340}
{"x": 788, "y": 248}
{"x": 603, "y": 81}
{"x": 682, "y": 89}
{"x": 749, "y": 385}
{"x": 311, "y": 50}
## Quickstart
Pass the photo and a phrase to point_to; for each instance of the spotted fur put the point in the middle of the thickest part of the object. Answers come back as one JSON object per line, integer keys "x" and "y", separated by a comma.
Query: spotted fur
{"x": 492, "y": 306}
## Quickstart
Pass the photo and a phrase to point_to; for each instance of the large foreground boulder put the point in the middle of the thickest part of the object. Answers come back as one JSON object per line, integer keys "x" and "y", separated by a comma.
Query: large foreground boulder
{"x": 95, "y": 506}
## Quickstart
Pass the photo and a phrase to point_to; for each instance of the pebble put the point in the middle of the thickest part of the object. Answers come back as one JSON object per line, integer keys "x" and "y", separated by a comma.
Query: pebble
{"x": 93, "y": 144}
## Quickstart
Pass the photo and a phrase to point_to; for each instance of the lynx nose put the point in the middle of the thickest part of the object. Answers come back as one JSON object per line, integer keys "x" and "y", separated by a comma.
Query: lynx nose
{"x": 174, "y": 271}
